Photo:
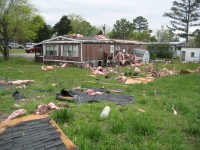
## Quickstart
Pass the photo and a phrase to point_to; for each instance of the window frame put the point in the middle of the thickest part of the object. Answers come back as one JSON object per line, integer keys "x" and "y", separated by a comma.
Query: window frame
{"x": 70, "y": 50}
{"x": 51, "y": 50}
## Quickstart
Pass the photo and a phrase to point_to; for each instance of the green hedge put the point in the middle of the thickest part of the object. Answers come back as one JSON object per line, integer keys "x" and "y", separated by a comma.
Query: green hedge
{"x": 160, "y": 51}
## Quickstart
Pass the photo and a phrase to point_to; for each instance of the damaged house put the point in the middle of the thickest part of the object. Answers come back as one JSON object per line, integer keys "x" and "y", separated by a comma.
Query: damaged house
{"x": 78, "y": 49}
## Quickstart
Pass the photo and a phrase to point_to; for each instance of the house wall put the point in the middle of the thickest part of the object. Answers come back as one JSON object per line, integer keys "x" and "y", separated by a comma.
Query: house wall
{"x": 94, "y": 51}
{"x": 188, "y": 54}
{"x": 59, "y": 53}
{"x": 130, "y": 47}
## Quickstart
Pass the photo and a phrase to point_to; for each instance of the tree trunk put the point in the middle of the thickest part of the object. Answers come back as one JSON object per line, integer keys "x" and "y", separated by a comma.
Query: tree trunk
{"x": 6, "y": 53}
{"x": 6, "y": 49}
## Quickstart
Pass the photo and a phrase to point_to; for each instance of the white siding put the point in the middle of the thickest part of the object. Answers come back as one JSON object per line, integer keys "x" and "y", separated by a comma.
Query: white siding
{"x": 189, "y": 56}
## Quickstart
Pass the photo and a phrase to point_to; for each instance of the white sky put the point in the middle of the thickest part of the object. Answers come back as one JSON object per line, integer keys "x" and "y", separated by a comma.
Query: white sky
{"x": 99, "y": 12}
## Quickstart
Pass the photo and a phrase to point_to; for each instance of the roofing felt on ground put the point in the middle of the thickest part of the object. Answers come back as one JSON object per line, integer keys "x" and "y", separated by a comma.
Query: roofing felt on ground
{"x": 35, "y": 134}
{"x": 81, "y": 97}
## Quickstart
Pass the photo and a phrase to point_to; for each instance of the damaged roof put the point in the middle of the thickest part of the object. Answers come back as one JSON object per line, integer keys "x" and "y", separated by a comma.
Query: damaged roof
{"x": 33, "y": 132}
{"x": 94, "y": 39}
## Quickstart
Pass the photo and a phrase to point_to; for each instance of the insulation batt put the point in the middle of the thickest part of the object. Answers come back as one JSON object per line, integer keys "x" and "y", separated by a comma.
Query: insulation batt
{"x": 92, "y": 92}
{"x": 21, "y": 81}
{"x": 52, "y": 106}
{"x": 16, "y": 113}
{"x": 41, "y": 109}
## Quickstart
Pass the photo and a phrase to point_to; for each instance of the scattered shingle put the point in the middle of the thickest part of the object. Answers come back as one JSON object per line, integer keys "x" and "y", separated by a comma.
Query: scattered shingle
{"x": 36, "y": 134}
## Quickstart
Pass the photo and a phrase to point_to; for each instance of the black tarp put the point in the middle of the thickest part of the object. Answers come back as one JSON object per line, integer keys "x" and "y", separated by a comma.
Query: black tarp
{"x": 81, "y": 97}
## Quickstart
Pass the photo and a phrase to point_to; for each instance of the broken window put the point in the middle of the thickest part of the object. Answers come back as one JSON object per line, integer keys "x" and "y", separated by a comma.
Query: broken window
{"x": 192, "y": 54}
{"x": 70, "y": 50}
{"x": 51, "y": 50}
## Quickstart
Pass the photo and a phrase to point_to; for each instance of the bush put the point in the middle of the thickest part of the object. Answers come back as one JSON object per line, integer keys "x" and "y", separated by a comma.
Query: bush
{"x": 160, "y": 51}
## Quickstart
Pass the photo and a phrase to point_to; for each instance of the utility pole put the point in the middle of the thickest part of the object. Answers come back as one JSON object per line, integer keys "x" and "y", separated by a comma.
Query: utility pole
{"x": 104, "y": 29}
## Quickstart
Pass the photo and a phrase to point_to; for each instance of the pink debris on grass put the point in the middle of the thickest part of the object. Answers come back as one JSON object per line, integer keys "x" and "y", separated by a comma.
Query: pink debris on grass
{"x": 21, "y": 81}
{"x": 92, "y": 92}
{"x": 48, "y": 68}
{"x": 15, "y": 114}
{"x": 100, "y": 70}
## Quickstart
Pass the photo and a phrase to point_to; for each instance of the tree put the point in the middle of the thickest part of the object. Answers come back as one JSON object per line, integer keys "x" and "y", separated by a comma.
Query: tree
{"x": 44, "y": 33}
{"x": 184, "y": 14}
{"x": 122, "y": 28}
{"x": 140, "y": 24}
{"x": 164, "y": 35}
{"x": 63, "y": 26}
{"x": 15, "y": 17}
{"x": 196, "y": 34}
{"x": 29, "y": 30}
{"x": 141, "y": 36}
{"x": 81, "y": 26}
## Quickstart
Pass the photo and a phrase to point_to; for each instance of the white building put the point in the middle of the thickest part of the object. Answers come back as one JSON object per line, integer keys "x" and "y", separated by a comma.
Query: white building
{"x": 189, "y": 54}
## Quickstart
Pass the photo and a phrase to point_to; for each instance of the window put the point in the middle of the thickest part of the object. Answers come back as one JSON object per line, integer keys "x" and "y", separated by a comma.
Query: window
{"x": 192, "y": 54}
{"x": 111, "y": 48}
{"x": 137, "y": 47}
{"x": 70, "y": 50}
{"x": 117, "y": 48}
{"x": 51, "y": 50}
{"x": 100, "y": 48}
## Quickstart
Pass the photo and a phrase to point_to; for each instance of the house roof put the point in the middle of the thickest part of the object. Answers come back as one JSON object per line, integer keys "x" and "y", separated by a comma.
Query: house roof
{"x": 83, "y": 39}
{"x": 128, "y": 41}
{"x": 31, "y": 133}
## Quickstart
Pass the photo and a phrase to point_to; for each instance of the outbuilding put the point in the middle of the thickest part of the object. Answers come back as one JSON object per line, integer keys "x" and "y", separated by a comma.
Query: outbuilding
{"x": 190, "y": 54}
{"x": 142, "y": 55}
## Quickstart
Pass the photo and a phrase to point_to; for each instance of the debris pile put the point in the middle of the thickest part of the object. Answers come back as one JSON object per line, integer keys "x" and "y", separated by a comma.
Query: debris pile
{"x": 12, "y": 84}
{"x": 99, "y": 70}
{"x": 43, "y": 109}
{"x": 101, "y": 37}
{"x": 122, "y": 58}
{"x": 143, "y": 80}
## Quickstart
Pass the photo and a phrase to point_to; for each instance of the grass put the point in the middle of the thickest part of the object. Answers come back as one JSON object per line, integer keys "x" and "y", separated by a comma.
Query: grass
{"x": 11, "y": 51}
{"x": 62, "y": 116}
{"x": 126, "y": 127}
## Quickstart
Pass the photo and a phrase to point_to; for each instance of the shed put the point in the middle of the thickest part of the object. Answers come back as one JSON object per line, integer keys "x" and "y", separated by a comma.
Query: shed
{"x": 142, "y": 55}
{"x": 190, "y": 54}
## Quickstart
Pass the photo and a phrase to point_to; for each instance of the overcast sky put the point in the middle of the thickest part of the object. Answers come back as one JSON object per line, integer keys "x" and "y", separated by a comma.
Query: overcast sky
{"x": 99, "y": 12}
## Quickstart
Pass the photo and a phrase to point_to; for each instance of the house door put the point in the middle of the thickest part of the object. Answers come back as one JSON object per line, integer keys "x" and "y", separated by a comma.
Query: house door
{"x": 183, "y": 56}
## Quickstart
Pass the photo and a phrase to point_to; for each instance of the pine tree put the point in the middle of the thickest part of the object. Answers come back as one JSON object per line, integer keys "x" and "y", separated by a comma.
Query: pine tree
{"x": 140, "y": 24}
{"x": 63, "y": 26}
{"x": 184, "y": 14}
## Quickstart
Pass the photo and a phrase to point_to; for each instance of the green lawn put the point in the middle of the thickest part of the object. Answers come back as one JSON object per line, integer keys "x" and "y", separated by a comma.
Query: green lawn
{"x": 16, "y": 51}
{"x": 127, "y": 127}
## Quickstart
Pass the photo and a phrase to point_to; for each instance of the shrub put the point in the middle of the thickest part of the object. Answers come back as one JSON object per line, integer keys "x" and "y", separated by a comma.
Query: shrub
{"x": 160, "y": 51}
{"x": 135, "y": 73}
